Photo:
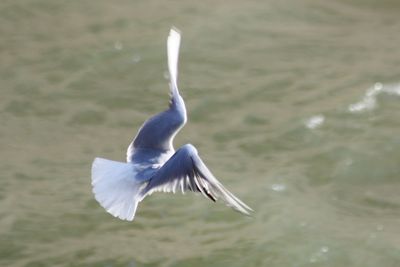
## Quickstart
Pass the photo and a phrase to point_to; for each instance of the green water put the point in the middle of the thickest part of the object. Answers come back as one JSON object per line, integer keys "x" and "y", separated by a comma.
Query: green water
{"x": 270, "y": 88}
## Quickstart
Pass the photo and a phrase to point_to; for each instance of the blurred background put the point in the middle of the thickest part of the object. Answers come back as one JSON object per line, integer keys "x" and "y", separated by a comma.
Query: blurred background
{"x": 294, "y": 106}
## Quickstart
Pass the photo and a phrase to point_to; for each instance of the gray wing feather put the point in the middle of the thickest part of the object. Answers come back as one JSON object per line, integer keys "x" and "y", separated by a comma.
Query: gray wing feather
{"x": 158, "y": 132}
{"x": 185, "y": 171}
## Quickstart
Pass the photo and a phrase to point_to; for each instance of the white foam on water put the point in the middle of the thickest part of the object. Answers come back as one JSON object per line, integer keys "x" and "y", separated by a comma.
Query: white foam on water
{"x": 315, "y": 121}
{"x": 369, "y": 101}
{"x": 278, "y": 187}
{"x": 324, "y": 249}
{"x": 319, "y": 255}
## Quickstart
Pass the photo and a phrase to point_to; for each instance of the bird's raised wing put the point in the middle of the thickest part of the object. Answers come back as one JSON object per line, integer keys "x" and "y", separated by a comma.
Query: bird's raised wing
{"x": 158, "y": 132}
{"x": 186, "y": 171}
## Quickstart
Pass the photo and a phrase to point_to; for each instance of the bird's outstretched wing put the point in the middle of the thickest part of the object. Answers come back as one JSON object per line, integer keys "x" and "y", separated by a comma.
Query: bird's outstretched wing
{"x": 186, "y": 171}
{"x": 158, "y": 132}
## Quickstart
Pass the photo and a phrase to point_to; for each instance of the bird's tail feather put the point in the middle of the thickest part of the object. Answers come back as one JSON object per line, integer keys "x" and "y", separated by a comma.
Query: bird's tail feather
{"x": 115, "y": 187}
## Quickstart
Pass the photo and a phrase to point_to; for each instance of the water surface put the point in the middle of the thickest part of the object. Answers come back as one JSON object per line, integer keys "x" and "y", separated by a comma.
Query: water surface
{"x": 279, "y": 102}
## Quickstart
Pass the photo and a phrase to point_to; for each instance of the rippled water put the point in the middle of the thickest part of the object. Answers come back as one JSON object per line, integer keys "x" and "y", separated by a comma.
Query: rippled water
{"x": 294, "y": 105}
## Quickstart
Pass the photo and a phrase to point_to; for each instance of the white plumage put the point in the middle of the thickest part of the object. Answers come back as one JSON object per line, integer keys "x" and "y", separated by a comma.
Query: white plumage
{"x": 116, "y": 188}
{"x": 153, "y": 165}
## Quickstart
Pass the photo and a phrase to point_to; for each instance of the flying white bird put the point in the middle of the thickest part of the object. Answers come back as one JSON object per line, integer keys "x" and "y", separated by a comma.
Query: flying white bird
{"x": 153, "y": 164}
